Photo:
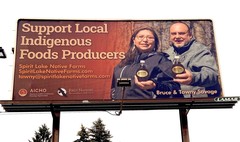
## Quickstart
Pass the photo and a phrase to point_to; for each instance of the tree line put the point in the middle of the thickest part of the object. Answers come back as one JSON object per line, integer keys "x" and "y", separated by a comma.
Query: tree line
{"x": 97, "y": 133}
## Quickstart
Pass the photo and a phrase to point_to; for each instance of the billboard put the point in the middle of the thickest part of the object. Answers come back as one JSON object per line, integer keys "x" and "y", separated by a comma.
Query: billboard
{"x": 115, "y": 59}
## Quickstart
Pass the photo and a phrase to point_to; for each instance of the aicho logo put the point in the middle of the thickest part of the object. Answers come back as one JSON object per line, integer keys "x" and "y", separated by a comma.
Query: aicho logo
{"x": 38, "y": 90}
{"x": 22, "y": 92}
{"x": 227, "y": 99}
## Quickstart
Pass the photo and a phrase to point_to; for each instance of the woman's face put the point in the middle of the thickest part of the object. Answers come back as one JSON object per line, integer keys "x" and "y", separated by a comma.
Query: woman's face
{"x": 144, "y": 41}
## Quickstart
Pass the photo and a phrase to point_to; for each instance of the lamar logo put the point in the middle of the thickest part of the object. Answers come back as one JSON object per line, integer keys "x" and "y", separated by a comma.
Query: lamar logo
{"x": 227, "y": 99}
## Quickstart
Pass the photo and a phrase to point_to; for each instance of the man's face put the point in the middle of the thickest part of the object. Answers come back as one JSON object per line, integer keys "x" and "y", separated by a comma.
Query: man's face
{"x": 179, "y": 35}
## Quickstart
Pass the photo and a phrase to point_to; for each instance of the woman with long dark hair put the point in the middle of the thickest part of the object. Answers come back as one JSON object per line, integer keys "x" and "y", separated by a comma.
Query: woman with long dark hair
{"x": 144, "y": 44}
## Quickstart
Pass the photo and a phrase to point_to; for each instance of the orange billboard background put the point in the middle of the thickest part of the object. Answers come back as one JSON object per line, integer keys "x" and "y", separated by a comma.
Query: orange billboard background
{"x": 67, "y": 60}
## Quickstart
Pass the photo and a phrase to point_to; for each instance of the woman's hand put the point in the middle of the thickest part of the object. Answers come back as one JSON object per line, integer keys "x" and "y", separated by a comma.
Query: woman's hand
{"x": 145, "y": 85}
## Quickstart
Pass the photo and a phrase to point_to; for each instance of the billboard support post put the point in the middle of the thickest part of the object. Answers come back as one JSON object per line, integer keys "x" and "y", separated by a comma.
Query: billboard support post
{"x": 184, "y": 125}
{"x": 56, "y": 125}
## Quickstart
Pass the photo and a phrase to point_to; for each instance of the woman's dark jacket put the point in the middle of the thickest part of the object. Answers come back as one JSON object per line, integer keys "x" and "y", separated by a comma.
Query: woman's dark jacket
{"x": 159, "y": 67}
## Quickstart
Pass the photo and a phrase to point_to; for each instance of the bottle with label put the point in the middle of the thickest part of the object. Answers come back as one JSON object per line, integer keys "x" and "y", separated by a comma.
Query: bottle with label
{"x": 177, "y": 67}
{"x": 142, "y": 73}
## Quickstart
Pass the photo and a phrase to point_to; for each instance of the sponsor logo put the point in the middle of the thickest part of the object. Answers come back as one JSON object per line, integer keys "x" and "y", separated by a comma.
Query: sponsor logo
{"x": 62, "y": 92}
{"x": 22, "y": 92}
{"x": 38, "y": 90}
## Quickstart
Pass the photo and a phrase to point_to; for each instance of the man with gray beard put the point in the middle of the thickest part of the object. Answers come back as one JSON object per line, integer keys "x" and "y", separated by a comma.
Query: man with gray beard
{"x": 201, "y": 71}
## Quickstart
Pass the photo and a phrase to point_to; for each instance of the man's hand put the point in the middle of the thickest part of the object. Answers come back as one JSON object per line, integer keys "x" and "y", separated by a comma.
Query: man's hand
{"x": 145, "y": 85}
{"x": 184, "y": 78}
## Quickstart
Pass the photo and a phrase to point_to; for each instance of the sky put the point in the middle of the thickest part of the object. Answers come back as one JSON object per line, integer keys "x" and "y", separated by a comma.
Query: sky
{"x": 206, "y": 125}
